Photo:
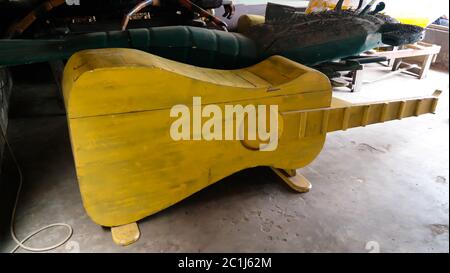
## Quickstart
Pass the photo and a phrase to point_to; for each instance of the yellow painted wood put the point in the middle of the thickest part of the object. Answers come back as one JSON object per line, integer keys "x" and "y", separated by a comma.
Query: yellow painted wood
{"x": 297, "y": 181}
{"x": 290, "y": 172}
{"x": 126, "y": 234}
{"x": 247, "y": 21}
{"x": 128, "y": 167}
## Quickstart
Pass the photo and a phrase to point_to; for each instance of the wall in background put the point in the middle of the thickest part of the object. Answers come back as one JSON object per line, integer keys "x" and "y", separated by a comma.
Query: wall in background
{"x": 439, "y": 36}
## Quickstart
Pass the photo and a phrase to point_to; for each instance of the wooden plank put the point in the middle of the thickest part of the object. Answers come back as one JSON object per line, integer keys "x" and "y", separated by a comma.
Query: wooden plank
{"x": 426, "y": 64}
{"x": 408, "y": 52}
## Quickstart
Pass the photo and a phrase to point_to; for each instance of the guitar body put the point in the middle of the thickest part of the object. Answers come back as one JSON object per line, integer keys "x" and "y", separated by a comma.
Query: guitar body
{"x": 119, "y": 104}
{"x": 122, "y": 105}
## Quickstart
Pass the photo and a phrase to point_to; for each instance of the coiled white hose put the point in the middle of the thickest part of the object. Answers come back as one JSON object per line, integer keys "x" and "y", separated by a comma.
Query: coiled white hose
{"x": 20, "y": 243}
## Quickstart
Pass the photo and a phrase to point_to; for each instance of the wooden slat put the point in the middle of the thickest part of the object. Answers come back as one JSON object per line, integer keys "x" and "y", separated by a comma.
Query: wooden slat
{"x": 408, "y": 52}
{"x": 302, "y": 128}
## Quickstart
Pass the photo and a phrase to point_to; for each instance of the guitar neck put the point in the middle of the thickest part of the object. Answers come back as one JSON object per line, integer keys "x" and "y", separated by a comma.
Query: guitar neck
{"x": 342, "y": 115}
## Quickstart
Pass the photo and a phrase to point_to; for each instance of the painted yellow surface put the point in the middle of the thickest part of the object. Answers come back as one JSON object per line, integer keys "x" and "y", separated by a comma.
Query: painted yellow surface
{"x": 126, "y": 234}
{"x": 246, "y": 21}
{"x": 417, "y": 12}
{"x": 320, "y": 5}
{"x": 118, "y": 103}
{"x": 294, "y": 180}
{"x": 414, "y": 12}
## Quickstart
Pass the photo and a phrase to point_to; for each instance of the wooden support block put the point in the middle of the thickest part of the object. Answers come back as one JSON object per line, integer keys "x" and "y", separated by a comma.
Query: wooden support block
{"x": 289, "y": 172}
{"x": 126, "y": 234}
{"x": 297, "y": 182}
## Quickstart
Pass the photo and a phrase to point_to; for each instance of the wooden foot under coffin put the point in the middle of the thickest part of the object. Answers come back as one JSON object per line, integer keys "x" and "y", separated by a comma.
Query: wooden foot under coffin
{"x": 126, "y": 234}
{"x": 293, "y": 179}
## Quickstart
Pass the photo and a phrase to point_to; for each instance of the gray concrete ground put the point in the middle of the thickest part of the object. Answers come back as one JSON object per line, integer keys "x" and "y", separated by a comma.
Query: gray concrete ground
{"x": 381, "y": 187}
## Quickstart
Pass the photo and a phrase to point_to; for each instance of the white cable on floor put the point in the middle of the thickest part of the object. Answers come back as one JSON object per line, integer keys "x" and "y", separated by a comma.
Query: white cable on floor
{"x": 20, "y": 244}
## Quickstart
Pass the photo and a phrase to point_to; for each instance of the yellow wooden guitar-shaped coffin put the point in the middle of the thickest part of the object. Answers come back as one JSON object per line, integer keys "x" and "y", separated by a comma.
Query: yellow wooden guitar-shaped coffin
{"x": 129, "y": 166}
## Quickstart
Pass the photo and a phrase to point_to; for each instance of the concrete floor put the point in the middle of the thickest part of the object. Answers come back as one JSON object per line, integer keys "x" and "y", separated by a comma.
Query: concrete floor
{"x": 384, "y": 186}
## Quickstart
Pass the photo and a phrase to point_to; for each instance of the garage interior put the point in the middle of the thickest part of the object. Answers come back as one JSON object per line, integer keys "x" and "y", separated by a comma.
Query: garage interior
{"x": 381, "y": 188}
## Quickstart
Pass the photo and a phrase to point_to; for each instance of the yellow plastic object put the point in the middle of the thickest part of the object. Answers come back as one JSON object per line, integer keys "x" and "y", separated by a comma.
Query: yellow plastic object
{"x": 118, "y": 105}
{"x": 246, "y": 21}
{"x": 416, "y": 12}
